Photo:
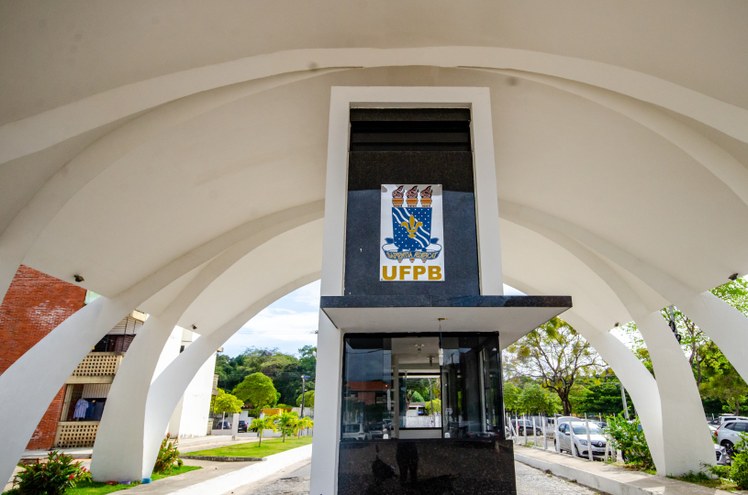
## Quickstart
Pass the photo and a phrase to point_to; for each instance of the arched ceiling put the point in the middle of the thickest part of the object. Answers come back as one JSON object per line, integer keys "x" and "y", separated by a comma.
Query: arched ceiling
{"x": 136, "y": 133}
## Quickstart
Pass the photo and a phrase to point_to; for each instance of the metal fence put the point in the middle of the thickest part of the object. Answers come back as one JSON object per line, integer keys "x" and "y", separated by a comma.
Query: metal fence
{"x": 541, "y": 432}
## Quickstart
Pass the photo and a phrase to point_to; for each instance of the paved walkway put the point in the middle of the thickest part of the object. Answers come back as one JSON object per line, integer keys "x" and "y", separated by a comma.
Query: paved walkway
{"x": 608, "y": 478}
{"x": 217, "y": 478}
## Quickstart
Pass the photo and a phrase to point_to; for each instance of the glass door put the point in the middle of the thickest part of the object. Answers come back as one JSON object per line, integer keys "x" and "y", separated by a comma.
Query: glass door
{"x": 414, "y": 386}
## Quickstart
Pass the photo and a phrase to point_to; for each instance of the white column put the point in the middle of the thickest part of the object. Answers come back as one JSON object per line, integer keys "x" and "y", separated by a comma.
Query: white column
{"x": 35, "y": 378}
{"x": 327, "y": 408}
{"x": 680, "y": 401}
{"x": 639, "y": 382}
{"x": 118, "y": 450}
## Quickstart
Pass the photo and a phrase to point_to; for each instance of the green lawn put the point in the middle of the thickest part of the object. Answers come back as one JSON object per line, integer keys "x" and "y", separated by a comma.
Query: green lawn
{"x": 96, "y": 488}
{"x": 269, "y": 446}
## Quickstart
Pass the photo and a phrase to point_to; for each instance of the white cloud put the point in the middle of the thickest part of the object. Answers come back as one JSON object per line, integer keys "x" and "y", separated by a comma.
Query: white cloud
{"x": 288, "y": 324}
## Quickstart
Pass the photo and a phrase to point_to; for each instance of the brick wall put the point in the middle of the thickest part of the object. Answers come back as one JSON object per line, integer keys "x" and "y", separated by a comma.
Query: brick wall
{"x": 33, "y": 306}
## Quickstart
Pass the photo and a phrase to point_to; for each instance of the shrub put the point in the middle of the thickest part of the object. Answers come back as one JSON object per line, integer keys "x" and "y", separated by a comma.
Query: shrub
{"x": 628, "y": 436}
{"x": 52, "y": 477}
{"x": 739, "y": 468}
{"x": 168, "y": 456}
{"x": 720, "y": 471}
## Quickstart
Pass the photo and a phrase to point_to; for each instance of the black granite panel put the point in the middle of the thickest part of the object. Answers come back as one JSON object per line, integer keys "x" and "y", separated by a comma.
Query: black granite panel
{"x": 430, "y": 466}
{"x": 368, "y": 115}
{"x": 428, "y": 301}
{"x": 367, "y": 172}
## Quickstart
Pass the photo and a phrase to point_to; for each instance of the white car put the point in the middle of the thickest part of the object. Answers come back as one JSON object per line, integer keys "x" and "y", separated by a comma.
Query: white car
{"x": 728, "y": 434}
{"x": 354, "y": 431}
{"x": 727, "y": 417}
{"x": 572, "y": 436}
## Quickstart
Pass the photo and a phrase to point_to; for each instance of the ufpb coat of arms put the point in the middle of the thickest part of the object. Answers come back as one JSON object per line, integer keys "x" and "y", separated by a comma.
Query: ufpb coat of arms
{"x": 411, "y": 230}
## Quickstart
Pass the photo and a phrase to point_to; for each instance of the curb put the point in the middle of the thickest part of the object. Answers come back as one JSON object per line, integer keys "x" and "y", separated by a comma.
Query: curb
{"x": 222, "y": 458}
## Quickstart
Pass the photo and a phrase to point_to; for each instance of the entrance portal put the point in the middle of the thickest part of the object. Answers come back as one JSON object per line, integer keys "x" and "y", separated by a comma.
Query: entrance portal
{"x": 413, "y": 311}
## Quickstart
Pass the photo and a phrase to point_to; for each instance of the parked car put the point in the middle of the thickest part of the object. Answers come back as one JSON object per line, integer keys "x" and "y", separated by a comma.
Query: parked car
{"x": 354, "y": 431}
{"x": 572, "y": 436}
{"x": 730, "y": 417}
{"x": 222, "y": 425}
{"x": 728, "y": 434}
{"x": 520, "y": 425}
{"x": 242, "y": 426}
{"x": 722, "y": 457}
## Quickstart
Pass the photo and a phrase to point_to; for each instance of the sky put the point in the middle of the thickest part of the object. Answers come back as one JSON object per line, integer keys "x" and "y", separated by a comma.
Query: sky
{"x": 288, "y": 324}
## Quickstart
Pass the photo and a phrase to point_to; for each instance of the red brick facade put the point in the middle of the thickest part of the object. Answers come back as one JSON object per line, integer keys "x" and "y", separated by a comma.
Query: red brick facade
{"x": 33, "y": 306}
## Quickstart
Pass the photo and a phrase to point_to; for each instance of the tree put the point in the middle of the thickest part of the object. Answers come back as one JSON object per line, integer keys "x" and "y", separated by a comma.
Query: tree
{"x": 308, "y": 362}
{"x": 230, "y": 371}
{"x": 600, "y": 396}
{"x": 261, "y": 424}
{"x": 734, "y": 293}
{"x": 308, "y": 399}
{"x": 288, "y": 423}
{"x": 555, "y": 355}
{"x": 511, "y": 397}
{"x": 283, "y": 369}
{"x": 535, "y": 400}
{"x": 718, "y": 381}
{"x": 415, "y": 396}
{"x": 257, "y": 390}
{"x": 226, "y": 403}
{"x": 722, "y": 382}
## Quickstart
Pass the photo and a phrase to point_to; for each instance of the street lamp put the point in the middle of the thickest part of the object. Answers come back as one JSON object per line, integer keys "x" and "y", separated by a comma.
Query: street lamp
{"x": 304, "y": 378}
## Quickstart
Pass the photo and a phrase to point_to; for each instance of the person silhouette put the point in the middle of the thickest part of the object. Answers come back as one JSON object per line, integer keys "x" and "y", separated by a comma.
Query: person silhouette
{"x": 407, "y": 462}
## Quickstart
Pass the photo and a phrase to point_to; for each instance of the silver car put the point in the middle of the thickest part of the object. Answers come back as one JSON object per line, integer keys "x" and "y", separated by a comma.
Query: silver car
{"x": 572, "y": 436}
{"x": 728, "y": 434}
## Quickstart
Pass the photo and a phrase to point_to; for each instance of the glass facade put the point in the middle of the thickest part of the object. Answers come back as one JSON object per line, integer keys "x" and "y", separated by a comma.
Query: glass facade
{"x": 419, "y": 386}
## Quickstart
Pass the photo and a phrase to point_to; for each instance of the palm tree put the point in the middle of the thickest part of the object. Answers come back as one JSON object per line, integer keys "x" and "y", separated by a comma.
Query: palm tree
{"x": 304, "y": 424}
{"x": 288, "y": 423}
{"x": 261, "y": 424}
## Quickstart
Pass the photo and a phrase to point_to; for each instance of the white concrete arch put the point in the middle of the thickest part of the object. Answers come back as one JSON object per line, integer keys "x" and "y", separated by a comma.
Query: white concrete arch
{"x": 53, "y": 359}
{"x": 637, "y": 380}
{"x": 24, "y": 229}
{"x": 627, "y": 158}
{"x": 168, "y": 387}
{"x": 725, "y": 325}
{"x": 677, "y": 398}
{"x": 23, "y": 137}
{"x": 46, "y": 366}
{"x": 713, "y": 157}
{"x": 579, "y": 240}
{"x": 125, "y": 423}
{"x": 640, "y": 384}
{"x": 659, "y": 403}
